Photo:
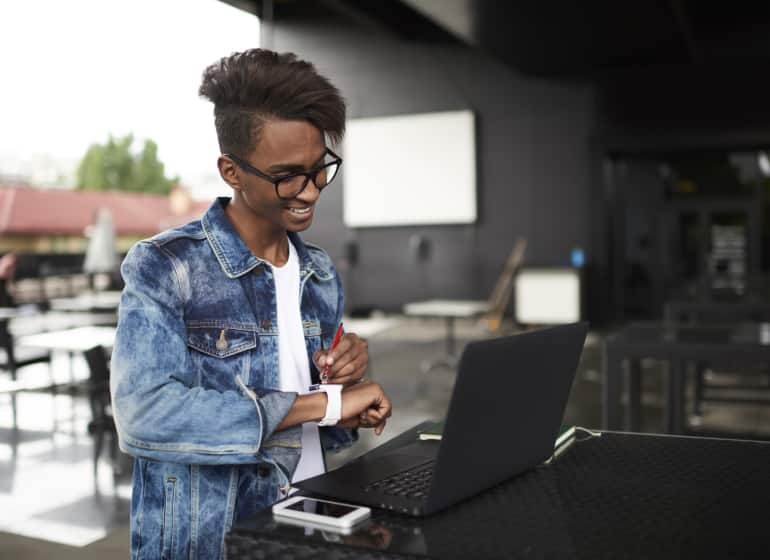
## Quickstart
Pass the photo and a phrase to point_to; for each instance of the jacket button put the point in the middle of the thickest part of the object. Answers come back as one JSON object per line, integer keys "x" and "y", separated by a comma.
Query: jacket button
{"x": 259, "y": 271}
{"x": 266, "y": 324}
{"x": 263, "y": 470}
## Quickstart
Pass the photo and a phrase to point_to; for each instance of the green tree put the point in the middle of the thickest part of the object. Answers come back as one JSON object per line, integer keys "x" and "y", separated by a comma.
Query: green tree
{"x": 114, "y": 166}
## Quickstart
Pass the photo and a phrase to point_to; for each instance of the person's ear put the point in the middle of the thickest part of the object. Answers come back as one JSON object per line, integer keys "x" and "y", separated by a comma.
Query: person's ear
{"x": 229, "y": 173}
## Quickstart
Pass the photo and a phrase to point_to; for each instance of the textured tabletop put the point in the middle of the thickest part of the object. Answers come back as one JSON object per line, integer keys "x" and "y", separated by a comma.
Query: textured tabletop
{"x": 615, "y": 496}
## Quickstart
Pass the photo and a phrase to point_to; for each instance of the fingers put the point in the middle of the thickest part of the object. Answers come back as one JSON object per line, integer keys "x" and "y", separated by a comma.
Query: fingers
{"x": 379, "y": 428}
{"x": 350, "y": 423}
{"x": 350, "y": 373}
{"x": 347, "y": 363}
{"x": 372, "y": 418}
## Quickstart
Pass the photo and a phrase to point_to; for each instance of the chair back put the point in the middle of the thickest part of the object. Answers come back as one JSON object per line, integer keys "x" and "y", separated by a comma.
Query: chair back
{"x": 6, "y": 344}
{"x": 98, "y": 383}
{"x": 501, "y": 293}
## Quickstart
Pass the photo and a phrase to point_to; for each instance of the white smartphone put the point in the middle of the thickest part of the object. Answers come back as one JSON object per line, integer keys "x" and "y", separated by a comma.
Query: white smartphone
{"x": 321, "y": 512}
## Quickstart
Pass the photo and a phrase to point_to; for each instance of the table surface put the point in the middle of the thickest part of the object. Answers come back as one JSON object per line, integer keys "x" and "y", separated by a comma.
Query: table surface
{"x": 614, "y": 496}
{"x": 366, "y": 328}
{"x": 8, "y": 313}
{"x": 752, "y": 334}
{"x": 447, "y": 308}
{"x": 86, "y": 301}
{"x": 78, "y": 339}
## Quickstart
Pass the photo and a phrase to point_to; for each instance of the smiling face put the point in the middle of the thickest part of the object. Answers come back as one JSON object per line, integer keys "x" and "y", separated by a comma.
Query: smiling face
{"x": 284, "y": 147}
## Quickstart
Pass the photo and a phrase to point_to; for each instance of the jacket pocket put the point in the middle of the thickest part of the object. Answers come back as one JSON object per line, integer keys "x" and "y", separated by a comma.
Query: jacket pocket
{"x": 167, "y": 529}
{"x": 220, "y": 340}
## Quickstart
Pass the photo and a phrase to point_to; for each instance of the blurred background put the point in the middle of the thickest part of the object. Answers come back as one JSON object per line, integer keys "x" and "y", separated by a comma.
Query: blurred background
{"x": 508, "y": 165}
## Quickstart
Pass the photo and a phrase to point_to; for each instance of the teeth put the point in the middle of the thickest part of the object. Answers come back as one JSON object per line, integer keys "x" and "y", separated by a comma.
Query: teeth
{"x": 300, "y": 210}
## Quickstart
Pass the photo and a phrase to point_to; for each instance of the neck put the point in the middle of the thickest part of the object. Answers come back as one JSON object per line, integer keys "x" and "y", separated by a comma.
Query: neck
{"x": 263, "y": 239}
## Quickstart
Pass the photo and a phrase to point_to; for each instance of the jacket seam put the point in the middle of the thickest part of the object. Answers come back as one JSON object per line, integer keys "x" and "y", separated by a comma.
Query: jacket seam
{"x": 229, "y": 511}
{"x": 224, "y": 324}
{"x": 181, "y": 447}
{"x": 175, "y": 235}
{"x": 175, "y": 264}
{"x": 216, "y": 354}
{"x": 194, "y": 504}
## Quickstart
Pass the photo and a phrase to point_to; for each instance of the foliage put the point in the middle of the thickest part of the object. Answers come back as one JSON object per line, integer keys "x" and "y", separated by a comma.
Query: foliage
{"x": 113, "y": 166}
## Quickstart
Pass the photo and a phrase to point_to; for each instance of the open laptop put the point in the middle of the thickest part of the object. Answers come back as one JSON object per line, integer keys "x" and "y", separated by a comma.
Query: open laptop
{"x": 503, "y": 417}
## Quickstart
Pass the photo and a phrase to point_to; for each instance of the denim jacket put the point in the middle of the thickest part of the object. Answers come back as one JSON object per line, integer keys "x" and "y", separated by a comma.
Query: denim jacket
{"x": 195, "y": 382}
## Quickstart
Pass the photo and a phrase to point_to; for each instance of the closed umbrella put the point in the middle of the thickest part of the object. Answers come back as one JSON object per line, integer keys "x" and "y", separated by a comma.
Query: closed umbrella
{"x": 101, "y": 254}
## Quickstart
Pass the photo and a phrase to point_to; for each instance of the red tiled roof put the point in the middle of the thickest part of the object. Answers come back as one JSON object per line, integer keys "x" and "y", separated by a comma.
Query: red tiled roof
{"x": 26, "y": 210}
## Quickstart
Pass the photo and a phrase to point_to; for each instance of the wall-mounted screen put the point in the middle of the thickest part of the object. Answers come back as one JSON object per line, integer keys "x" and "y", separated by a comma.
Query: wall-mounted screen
{"x": 410, "y": 170}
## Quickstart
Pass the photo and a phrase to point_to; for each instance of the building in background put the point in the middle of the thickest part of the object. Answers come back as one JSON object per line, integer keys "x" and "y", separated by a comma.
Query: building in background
{"x": 37, "y": 221}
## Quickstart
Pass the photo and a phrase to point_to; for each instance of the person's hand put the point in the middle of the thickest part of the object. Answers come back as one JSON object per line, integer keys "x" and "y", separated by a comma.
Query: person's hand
{"x": 365, "y": 405}
{"x": 346, "y": 363}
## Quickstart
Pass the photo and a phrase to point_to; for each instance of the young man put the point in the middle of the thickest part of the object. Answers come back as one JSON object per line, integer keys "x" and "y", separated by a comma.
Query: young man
{"x": 225, "y": 322}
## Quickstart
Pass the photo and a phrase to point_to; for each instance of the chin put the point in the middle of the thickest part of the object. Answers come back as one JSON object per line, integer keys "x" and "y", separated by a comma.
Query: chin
{"x": 298, "y": 227}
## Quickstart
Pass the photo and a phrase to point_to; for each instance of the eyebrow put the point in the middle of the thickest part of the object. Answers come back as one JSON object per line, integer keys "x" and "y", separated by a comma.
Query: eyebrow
{"x": 294, "y": 167}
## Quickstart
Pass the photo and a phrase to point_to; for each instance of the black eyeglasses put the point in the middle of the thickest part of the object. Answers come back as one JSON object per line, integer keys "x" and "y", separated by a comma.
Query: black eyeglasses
{"x": 289, "y": 186}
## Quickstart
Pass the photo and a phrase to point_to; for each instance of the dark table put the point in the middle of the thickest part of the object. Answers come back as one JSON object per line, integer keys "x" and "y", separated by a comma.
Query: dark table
{"x": 614, "y": 496}
{"x": 693, "y": 310}
{"x": 679, "y": 345}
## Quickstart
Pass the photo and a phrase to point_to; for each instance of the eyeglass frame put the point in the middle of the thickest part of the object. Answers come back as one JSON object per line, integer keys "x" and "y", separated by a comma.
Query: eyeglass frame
{"x": 309, "y": 175}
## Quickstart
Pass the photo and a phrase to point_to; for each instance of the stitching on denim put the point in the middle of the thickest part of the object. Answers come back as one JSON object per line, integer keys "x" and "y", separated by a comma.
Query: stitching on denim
{"x": 170, "y": 529}
{"x": 171, "y": 235}
{"x": 219, "y": 253}
{"x": 216, "y": 247}
{"x": 221, "y": 324}
{"x": 194, "y": 499}
{"x": 176, "y": 265}
{"x": 190, "y": 448}
{"x": 175, "y": 235}
{"x": 253, "y": 396}
{"x": 208, "y": 350}
{"x": 230, "y": 510}
{"x": 282, "y": 443}
{"x": 140, "y": 509}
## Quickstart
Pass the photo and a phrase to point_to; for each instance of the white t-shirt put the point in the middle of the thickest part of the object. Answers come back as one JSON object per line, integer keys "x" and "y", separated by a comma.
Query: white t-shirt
{"x": 293, "y": 360}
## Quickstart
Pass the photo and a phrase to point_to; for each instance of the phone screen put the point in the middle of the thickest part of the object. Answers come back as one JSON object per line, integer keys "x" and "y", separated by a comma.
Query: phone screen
{"x": 321, "y": 508}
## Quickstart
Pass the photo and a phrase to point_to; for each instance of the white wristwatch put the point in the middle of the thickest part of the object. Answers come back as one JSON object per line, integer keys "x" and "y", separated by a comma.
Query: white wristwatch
{"x": 333, "y": 402}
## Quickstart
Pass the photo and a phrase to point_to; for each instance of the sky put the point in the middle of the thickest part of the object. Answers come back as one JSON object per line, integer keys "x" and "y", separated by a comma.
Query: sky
{"x": 73, "y": 72}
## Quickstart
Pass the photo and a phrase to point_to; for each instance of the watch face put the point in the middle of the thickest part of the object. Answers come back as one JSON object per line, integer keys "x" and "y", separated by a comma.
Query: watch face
{"x": 325, "y": 387}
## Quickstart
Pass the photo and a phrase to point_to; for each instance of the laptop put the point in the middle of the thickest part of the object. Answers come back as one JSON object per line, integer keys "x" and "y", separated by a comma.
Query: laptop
{"x": 506, "y": 408}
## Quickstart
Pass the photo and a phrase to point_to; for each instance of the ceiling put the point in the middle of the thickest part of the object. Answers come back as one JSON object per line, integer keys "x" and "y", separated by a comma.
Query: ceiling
{"x": 567, "y": 40}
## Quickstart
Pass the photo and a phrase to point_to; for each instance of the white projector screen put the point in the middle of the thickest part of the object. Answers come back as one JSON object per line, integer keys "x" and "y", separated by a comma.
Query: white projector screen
{"x": 547, "y": 296}
{"x": 410, "y": 170}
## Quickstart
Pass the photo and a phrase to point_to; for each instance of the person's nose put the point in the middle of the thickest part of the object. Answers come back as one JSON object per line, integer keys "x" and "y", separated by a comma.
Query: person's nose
{"x": 310, "y": 193}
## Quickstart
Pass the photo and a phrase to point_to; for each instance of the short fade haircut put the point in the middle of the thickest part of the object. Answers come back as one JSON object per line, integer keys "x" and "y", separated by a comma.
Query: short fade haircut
{"x": 252, "y": 87}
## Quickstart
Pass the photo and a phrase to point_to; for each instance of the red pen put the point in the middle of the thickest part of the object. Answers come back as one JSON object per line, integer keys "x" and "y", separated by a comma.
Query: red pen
{"x": 337, "y": 336}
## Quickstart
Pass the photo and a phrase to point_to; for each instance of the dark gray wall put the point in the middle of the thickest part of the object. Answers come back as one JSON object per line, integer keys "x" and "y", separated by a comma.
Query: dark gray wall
{"x": 533, "y": 161}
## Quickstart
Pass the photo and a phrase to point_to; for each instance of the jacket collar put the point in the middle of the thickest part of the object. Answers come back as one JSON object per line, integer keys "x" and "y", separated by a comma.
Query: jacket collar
{"x": 234, "y": 256}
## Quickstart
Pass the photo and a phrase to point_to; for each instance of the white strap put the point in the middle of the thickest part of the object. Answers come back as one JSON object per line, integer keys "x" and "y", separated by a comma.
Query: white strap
{"x": 333, "y": 402}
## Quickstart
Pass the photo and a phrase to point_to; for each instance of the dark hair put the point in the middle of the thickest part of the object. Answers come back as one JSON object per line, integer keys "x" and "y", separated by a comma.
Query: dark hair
{"x": 251, "y": 87}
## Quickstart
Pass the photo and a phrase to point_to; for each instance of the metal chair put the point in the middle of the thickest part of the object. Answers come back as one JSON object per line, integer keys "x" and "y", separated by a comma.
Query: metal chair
{"x": 13, "y": 360}
{"x": 102, "y": 423}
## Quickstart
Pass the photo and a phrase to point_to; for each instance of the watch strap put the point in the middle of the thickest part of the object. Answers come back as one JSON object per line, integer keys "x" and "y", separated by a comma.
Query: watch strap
{"x": 333, "y": 402}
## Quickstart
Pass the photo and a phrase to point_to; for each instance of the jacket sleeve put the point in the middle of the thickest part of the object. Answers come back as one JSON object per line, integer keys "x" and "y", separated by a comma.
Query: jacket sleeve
{"x": 159, "y": 411}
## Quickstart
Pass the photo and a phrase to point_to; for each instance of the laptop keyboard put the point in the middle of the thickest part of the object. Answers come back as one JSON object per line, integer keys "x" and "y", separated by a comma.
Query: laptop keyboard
{"x": 411, "y": 483}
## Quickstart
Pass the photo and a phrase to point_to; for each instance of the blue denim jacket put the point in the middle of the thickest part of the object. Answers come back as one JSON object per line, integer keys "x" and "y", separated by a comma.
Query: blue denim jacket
{"x": 195, "y": 383}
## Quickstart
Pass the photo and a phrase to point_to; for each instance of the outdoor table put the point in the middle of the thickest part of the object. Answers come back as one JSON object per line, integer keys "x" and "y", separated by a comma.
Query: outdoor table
{"x": 91, "y": 301}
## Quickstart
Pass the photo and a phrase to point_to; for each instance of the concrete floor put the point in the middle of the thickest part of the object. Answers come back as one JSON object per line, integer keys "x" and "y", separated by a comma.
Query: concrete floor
{"x": 50, "y": 505}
